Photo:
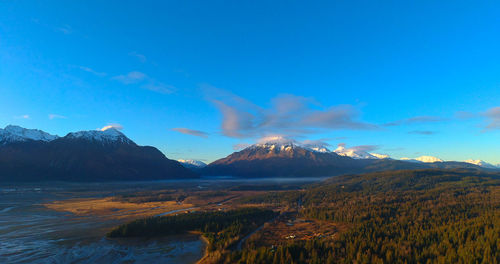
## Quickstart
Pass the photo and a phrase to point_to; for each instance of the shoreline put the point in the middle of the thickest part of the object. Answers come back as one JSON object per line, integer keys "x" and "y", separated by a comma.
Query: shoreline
{"x": 206, "y": 242}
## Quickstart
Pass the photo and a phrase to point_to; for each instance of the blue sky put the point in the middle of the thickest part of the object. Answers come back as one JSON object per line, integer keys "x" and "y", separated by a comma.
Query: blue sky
{"x": 197, "y": 78}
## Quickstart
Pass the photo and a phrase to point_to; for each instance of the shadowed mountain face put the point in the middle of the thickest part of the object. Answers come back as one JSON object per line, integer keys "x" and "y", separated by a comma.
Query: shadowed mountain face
{"x": 86, "y": 156}
{"x": 291, "y": 160}
{"x": 279, "y": 161}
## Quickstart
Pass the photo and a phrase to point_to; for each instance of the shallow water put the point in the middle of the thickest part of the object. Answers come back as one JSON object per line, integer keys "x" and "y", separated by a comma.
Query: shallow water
{"x": 30, "y": 233}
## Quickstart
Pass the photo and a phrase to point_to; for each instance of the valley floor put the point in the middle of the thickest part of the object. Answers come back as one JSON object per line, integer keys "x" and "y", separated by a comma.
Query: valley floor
{"x": 423, "y": 216}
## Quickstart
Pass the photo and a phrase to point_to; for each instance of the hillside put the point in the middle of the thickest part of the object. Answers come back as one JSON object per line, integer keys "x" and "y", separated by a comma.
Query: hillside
{"x": 84, "y": 156}
{"x": 293, "y": 160}
{"x": 418, "y": 216}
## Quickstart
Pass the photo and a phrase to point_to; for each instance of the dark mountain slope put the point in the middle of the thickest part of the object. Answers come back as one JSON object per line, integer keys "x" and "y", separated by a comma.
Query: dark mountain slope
{"x": 86, "y": 156}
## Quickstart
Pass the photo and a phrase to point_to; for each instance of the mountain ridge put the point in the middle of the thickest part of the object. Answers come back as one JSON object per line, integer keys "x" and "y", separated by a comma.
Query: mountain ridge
{"x": 86, "y": 156}
{"x": 288, "y": 159}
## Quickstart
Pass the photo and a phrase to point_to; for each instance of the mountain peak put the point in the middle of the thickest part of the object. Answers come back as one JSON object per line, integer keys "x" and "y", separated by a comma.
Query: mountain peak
{"x": 105, "y": 135}
{"x": 318, "y": 148}
{"x": 276, "y": 140}
{"x": 424, "y": 159}
{"x": 481, "y": 163}
{"x": 13, "y": 133}
{"x": 189, "y": 163}
{"x": 360, "y": 152}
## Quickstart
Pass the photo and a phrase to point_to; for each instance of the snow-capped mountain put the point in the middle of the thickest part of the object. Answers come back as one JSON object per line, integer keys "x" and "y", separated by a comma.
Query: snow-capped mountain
{"x": 481, "y": 163}
{"x": 275, "y": 143}
{"x": 358, "y": 153}
{"x": 189, "y": 163}
{"x": 98, "y": 155}
{"x": 424, "y": 159}
{"x": 380, "y": 156}
{"x": 19, "y": 134}
{"x": 282, "y": 158}
{"x": 108, "y": 135}
{"x": 320, "y": 149}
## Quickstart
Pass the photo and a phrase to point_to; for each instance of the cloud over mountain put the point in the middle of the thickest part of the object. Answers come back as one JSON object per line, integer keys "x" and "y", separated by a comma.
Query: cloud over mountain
{"x": 109, "y": 126}
{"x": 288, "y": 114}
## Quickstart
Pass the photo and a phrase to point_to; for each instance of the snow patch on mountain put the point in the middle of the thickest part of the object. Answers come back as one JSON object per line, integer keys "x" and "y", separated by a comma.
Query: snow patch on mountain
{"x": 276, "y": 143}
{"x": 192, "y": 163}
{"x": 276, "y": 140}
{"x": 108, "y": 135}
{"x": 280, "y": 143}
{"x": 13, "y": 133}
{"x": 359, "y": 152}
{"x": 380, "y": 156}
{"x": 320, "y": 149}
{"x": 481, "y": 163}
{"x": 424, "y": 159}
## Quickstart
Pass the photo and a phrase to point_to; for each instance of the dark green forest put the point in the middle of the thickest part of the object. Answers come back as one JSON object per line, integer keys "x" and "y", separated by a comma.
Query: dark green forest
{"x": 425, "y": 216}
{"x": 417, "y": 216}
{"x": 220, "y": 228}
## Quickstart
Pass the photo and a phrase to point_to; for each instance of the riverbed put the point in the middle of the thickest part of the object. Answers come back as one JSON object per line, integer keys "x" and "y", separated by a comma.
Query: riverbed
{"x": 31, "y": 233}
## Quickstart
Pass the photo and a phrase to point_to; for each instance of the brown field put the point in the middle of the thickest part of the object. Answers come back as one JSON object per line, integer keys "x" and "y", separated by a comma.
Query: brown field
{"x": 287, "y": 228}
{"x": 121, "y": 208}
{"x": 107, "y": 207}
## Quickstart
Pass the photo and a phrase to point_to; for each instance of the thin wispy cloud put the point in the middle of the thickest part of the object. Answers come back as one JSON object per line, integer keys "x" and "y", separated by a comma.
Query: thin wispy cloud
{"x": 289, "y": 115}
{"x": 65, "y": 29}
{"x": 131, "y": 77}
{"x": 191, "y": 132}
{"x": 316, "y": 143}
{"x": 160, "y": 88}
{"x": 138, "y": 56}
{"x": 394, "y": 149}
{"x": 241, "y": 146}
{"x": 56, "y": 116}
{"x": 417, "y": 120}
{"x": 365, "y": 148}
{"x": 423, "y": 132}
{"x": 465, "y": 115}
{"x": 22, "y": 117}
{"x": 111, "y": 125}
{"x": 493, "y": 117}
{"x": 90, "y": 70}
{"x": 145, "y": 82}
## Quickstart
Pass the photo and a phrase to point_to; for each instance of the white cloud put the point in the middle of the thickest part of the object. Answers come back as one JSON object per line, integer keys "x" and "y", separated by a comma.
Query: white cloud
{"x": 55, "y": 116}
{"x": 90, "y": 70}
{"x": 131, "y": 77}
{"x": 22, "y": 117}
{"x": 160, "y": 88}
{"x": 146, "y": 82}
{"x": 289, "y": 115}
{"x": 279, "y": 139}
{"x": 66, "y": 29}
{"x": 112, "y": 125}
{"x": 139, "y": 56}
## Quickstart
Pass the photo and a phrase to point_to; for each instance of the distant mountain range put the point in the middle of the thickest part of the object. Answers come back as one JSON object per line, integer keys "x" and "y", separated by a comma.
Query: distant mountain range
{"x": 358, "y": 153}
{"x": 192, "y": 164}
{"x": 290, "y": 159}
{"x": 34, "y": 155}
{"x": 108, "y": 155}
